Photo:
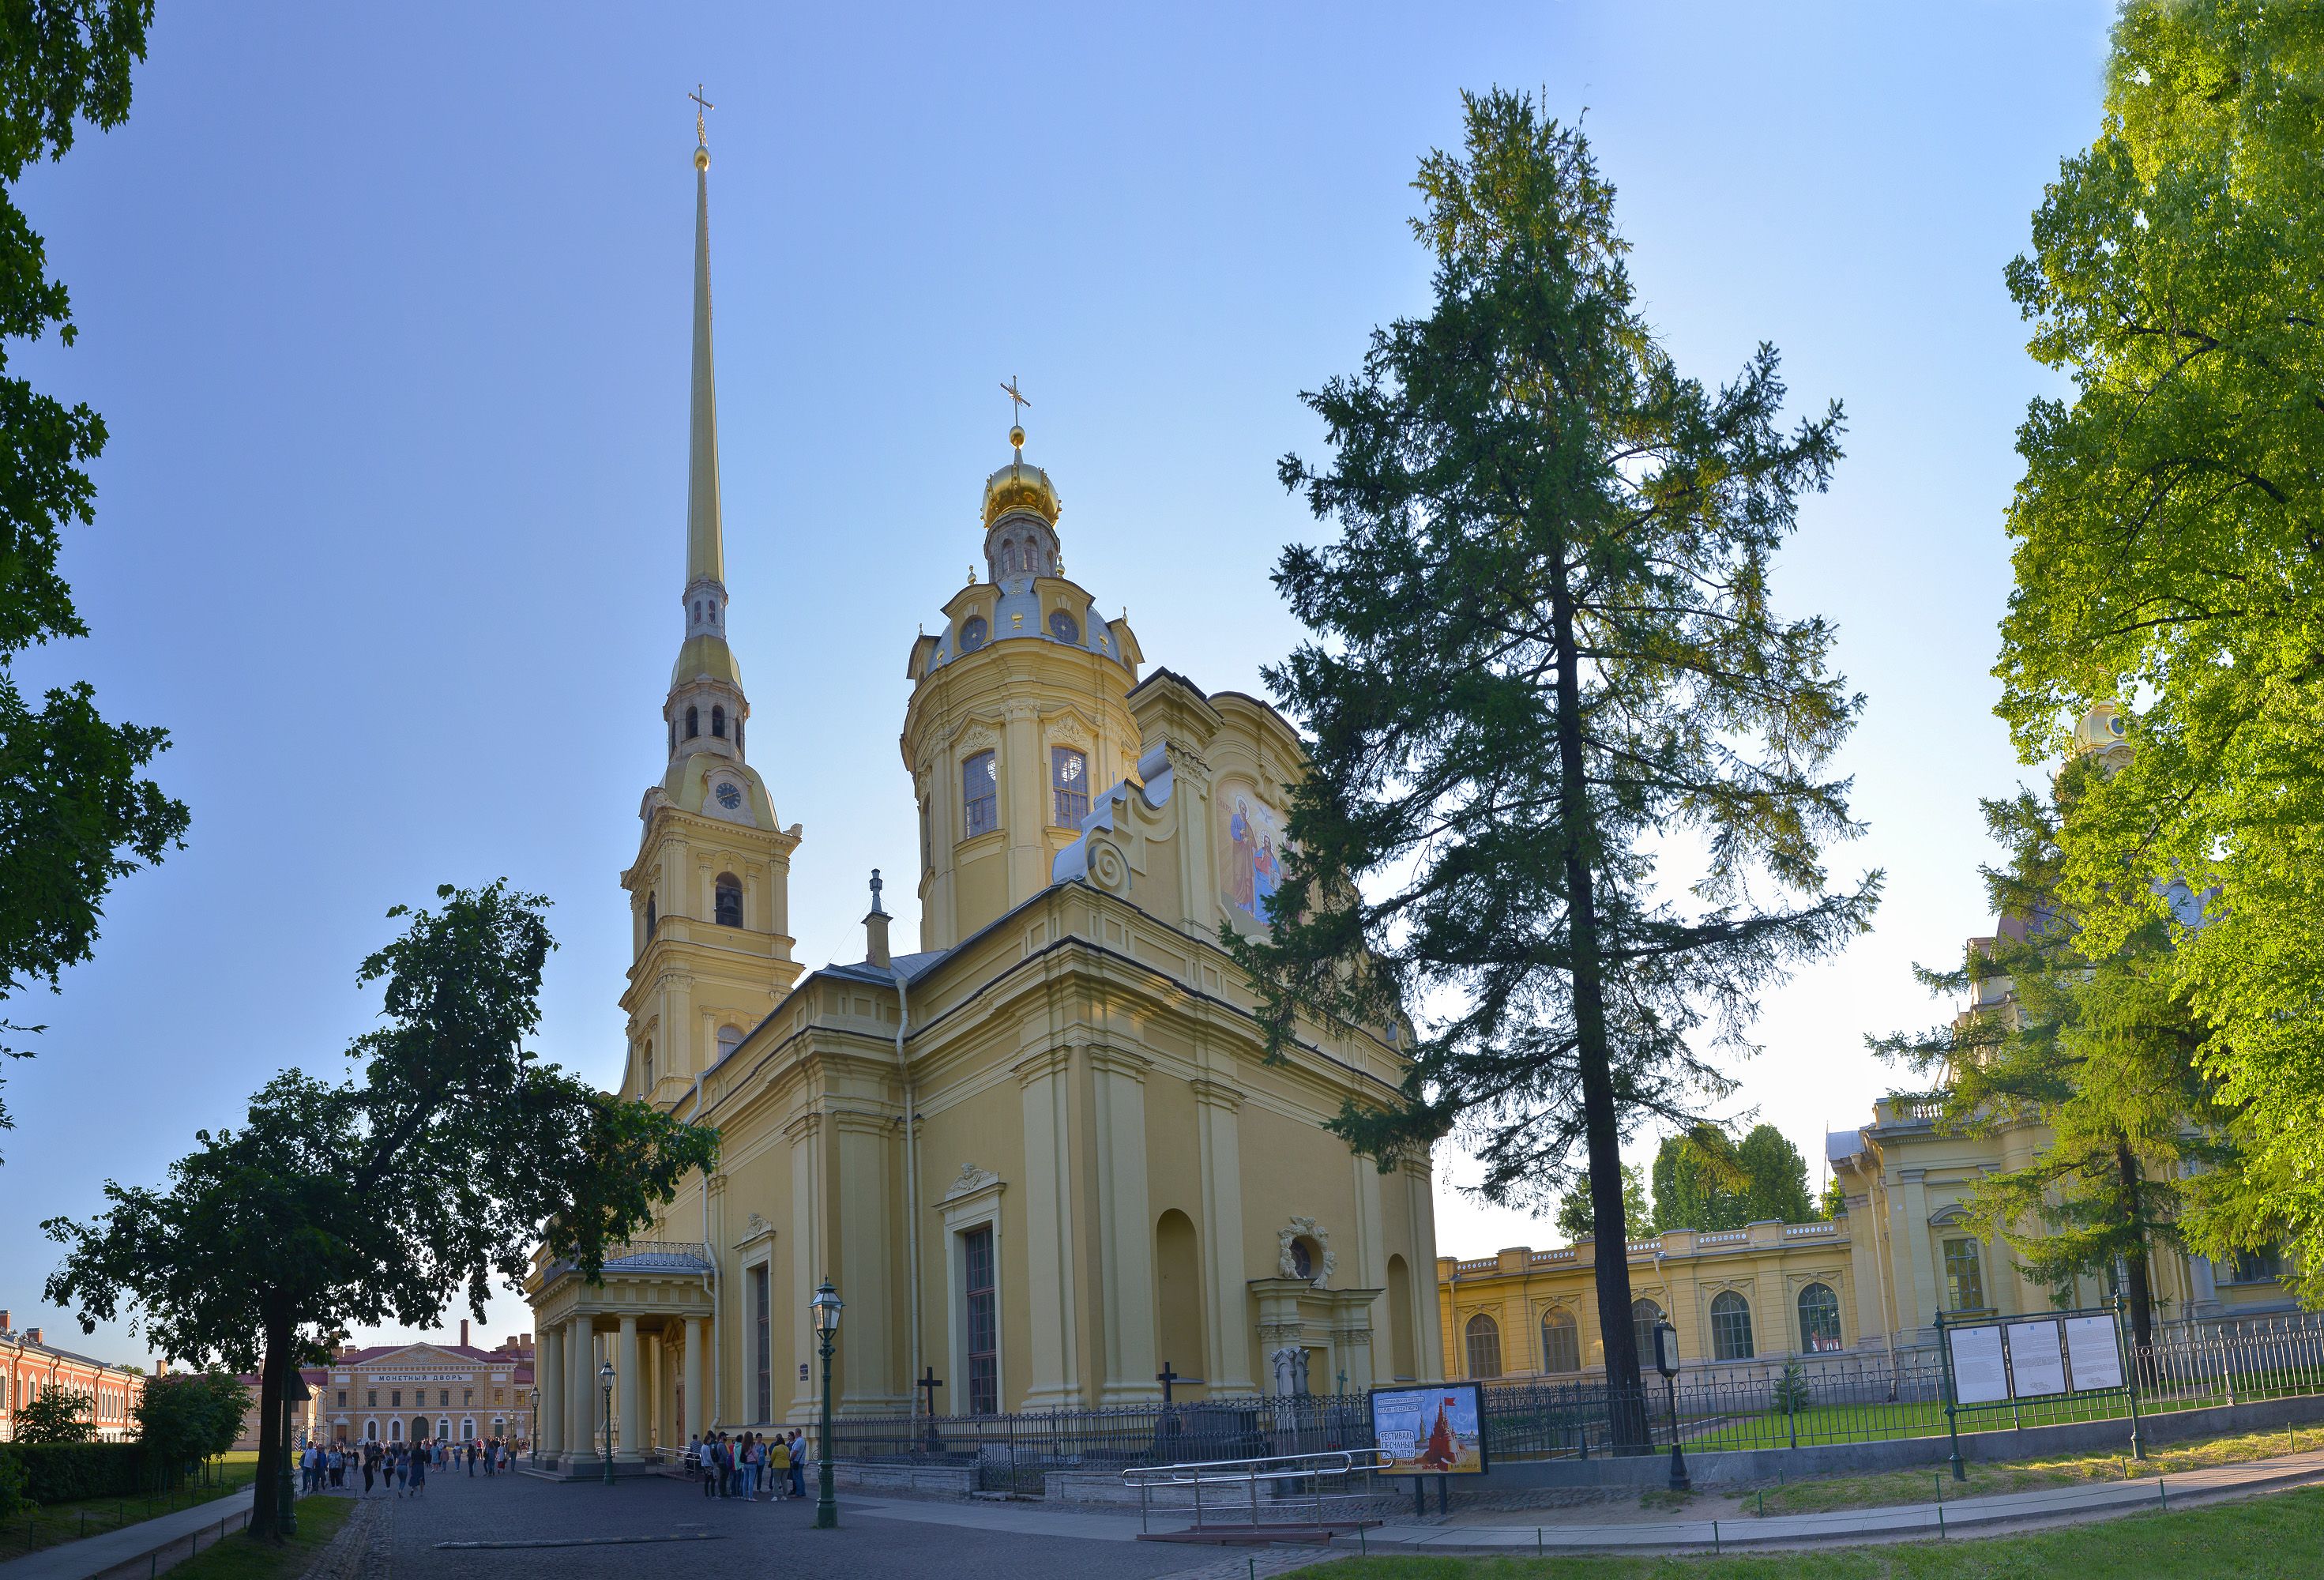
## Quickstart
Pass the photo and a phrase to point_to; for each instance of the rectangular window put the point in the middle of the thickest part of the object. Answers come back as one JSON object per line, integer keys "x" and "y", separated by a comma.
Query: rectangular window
{"x": 467, "y": 1397}
{"x": 762, "y": 1342}
{"x": 982, "y": 1311}
{"x": 1964, "y": 1278}
{"x": 443, "y": 1397}
{"x": 395, "y": 1398}
{"x": 371, "y": 1398}
{"x": 980, "y": 796}
{"x": 1068, "y": 786}
{"x": 927, "y": 845}
{"x": 343, "y": 1398}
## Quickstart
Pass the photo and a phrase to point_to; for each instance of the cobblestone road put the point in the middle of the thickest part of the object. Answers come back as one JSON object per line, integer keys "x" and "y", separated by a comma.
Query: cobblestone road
{"x": 743, "y": 1539}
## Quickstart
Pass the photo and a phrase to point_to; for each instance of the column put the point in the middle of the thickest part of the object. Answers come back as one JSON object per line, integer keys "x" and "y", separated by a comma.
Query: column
{"x": 1125, "y": 1227}
{"x": 1228, "y": 1337}
{"x": 547, "y": 1431}
{"x": 1052, "y": 1314}
{"x": 581, "y": 1366}
{"x": 696, "y": 1416}
{"x": 657, "y": 1412}
{"x": 634, "y": 1419}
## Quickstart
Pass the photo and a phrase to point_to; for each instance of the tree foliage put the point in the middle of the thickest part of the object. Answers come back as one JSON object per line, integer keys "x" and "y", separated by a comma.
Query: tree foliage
{"x": 1578, "y": 1220}
{"x": 1543, "y": 651}
{"x": 2169, "y": 551}
{"x": 449, "y": 1156}
{"x": 56, "y": 1415}
{"x": 2100, "y": 1053}
{"x": 1706, "y": 1180}
{"x": 75, "y": 815}
{"x": 188, "y": 1416}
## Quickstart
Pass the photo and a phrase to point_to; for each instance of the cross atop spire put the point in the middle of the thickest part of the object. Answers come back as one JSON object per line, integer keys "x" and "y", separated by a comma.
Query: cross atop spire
{"x": 701, "y": 136}
{"x": 1017, "y": 401}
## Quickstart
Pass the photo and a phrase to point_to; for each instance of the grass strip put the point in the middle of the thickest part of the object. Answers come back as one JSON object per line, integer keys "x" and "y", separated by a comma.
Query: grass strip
{"x": 244, "y": 1558}
{"x": 2280, "y": 1537}
{"x": 50, "y": 1524}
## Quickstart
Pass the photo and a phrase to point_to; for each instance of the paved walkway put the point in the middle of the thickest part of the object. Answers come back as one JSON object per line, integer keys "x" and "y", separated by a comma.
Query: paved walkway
{"x": 1559, "y": 1530}
{"x": 94, "y": 1555}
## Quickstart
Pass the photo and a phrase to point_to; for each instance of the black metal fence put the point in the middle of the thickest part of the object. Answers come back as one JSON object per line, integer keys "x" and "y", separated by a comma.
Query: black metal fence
{"x": 1780, "y": 1403}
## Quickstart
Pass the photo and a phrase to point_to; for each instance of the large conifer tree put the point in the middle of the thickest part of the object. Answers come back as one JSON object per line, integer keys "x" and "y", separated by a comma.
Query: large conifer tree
{"x": 1542, "y": 645}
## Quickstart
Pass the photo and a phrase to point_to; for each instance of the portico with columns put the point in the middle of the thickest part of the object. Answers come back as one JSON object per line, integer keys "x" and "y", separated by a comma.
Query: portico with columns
{"x": 649, "y": 1316}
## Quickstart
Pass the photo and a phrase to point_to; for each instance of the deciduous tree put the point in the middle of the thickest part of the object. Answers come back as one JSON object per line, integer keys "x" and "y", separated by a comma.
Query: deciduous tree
{"x": 56, "y": 1415}
{"x": 1544, "y": 657}
{"x": 452, "y": 1153}
{"x": 75, "y": 815}
{"x": 1576, "y": 1220}
{"x": 2169, "y": 533}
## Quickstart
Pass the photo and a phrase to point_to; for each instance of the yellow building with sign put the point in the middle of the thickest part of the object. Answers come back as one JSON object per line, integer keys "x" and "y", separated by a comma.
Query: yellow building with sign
{"x": 1039, "y": 1156}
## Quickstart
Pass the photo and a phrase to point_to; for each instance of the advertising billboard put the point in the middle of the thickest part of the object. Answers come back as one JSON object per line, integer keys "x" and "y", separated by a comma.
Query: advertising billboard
{"x": 1430, "y": 1431}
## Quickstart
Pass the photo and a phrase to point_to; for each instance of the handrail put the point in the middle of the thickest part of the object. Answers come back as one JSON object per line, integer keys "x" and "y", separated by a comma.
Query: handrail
{"x": 1264, "y": 1467}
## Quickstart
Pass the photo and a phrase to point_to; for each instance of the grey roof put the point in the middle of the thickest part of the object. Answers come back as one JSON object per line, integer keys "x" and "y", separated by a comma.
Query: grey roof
{"x": 1018, "y": 598}
{"x": 1838, "y": 1144}
{"x": 911, "y": 966}
{"x": 659, "y": 1261}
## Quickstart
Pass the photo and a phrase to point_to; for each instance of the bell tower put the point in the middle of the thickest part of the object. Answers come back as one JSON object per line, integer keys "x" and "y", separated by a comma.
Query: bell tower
{"x": 710, "y": 890}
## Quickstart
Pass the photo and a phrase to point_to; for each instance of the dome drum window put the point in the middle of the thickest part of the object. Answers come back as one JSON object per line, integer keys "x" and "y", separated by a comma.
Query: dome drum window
{"x": 1064, "y": 627}
{"x": 692, "y": 723}
{"x": 1068, "y": 786}
{"x": 973, "y": 631}
{"x": 979, "y": 794}
{"x": 718, "y": 722}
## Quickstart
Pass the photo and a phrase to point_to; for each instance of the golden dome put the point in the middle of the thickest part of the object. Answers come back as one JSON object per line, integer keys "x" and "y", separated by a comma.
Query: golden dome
{"x": 2101, "y": 729}
{"x": 1020, "y": 486}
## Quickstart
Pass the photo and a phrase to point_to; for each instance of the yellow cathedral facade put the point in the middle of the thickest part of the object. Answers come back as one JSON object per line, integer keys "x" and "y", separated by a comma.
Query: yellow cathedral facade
{"x": 1040, "y": 1156}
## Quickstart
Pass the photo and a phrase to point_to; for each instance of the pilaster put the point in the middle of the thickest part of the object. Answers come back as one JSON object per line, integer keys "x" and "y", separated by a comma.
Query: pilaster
{"x": 1051, "y": 1273}
{"x": 1125, "y": 1226}
{"x": 1218, "y": 1129}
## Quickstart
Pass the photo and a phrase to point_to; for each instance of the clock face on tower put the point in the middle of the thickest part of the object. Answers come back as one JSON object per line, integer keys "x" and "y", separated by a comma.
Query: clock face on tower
{"x": 729, "y": 794}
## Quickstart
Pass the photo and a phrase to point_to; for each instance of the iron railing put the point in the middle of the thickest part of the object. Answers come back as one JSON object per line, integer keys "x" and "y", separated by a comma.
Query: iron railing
{"x": 1779, "y": 1402}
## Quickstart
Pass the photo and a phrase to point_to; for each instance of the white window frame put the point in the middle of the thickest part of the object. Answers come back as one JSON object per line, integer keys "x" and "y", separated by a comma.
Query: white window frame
{"x": 977, "y": 1207}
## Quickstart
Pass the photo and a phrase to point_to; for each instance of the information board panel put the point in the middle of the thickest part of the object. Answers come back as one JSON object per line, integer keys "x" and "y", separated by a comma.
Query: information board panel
{"x": 1979, "y": 1374}
{"x": 2093, "y": 1352}
{"x": 2037, "y": 1359}
{"x": 1430, "y": 1431}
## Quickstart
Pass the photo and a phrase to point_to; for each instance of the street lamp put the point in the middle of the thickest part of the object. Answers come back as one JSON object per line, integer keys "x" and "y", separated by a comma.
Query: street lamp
{"x": 534, "y": 1433}
{"x": 605, "y": 1381}
{"x": 1667, "y": 1362}
{"x": 826, "y": 1306}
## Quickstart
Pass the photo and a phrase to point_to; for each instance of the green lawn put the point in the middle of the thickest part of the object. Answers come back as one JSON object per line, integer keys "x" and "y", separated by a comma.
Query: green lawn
{"x": 238, "y": 1557}
{"x": 2018, "y": 1475}
{"x": 52, "y": 1523}
{"x": 2275, "y": 1537}
{"x": 1873, "y": 1423}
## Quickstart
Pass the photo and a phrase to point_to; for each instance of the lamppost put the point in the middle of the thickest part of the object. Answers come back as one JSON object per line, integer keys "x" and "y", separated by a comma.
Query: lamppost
{"x": 605, "y": 1382}
{"x": 825, "y": 1303}
{"x": 1667, "y": 1362}
{"x": 535, "y": 1433}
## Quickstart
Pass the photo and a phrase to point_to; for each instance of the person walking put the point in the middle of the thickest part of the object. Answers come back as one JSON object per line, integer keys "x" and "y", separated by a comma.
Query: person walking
{"x": 798, "y": 1464}
{"x": 706, "y": 1460}
{"x": 370, "y": 1458}
{"x": 419, "y": 1470}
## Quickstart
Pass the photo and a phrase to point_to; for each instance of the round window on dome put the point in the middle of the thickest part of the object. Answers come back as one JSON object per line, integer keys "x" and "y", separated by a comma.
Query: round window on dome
{"x": 2114, "y": 724}
{"x": 971, "y": 633}
{"x": 1063, "y": 627}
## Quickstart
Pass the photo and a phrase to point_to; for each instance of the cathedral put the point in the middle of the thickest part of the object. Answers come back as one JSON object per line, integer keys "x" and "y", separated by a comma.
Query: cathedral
{"x": 1040, "y": 1157}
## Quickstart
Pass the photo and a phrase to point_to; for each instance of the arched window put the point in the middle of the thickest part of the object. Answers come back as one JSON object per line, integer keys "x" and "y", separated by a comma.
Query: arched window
{"x": 646, "y": 1064}
{"x": 395, "y": 1432}
{"x": 738, "y": 734}
{"x": 971, "y": 633}
{"x": 718, "y": 722}
{"x": 1064, "y": 627}
{"x": 673, "y": 737}
{"x": 693, "y": 724}
{"x": 979, "y": 794}
{"x": 1819, "y": 1319}
{"x": 1484, "y": 1340}
{"x": 1561, "y": 1343}
{"x": 1964, "y": 1276}
{"x": 727, "y": 907}
{"x": 650, "y": 918}
{"x": 1068, "y": 786}
{"x": 1643, "y": 1315}
{"x": 1730, "y": 1327}
{"x": 730, "y": 1038}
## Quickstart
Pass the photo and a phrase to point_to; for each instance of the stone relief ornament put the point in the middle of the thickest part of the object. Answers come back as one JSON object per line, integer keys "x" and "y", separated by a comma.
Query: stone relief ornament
{"x": 1290, "y": 1254}
{"x": 1107, "y": 869}
{"x": 970, "y": 1180}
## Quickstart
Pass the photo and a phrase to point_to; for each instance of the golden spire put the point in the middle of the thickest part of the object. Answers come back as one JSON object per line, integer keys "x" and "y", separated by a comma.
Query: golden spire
{"x": 706, "y": 550}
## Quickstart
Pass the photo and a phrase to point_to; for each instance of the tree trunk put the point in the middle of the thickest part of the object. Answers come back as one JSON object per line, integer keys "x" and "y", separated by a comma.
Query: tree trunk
{"x": 2142, "y": 1287}
{"x": 1626, "y": 1398}
{"x": 274, "y": 1382}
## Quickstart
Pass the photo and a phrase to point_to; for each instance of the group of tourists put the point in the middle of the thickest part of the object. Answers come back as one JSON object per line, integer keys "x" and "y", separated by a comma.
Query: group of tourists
{"x": 742, "y": 1467}
{"x": 399, "y": 1467}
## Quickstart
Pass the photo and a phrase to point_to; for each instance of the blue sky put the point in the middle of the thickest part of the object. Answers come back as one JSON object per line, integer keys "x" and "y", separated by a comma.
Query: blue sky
{"x": 386, "y": 309}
